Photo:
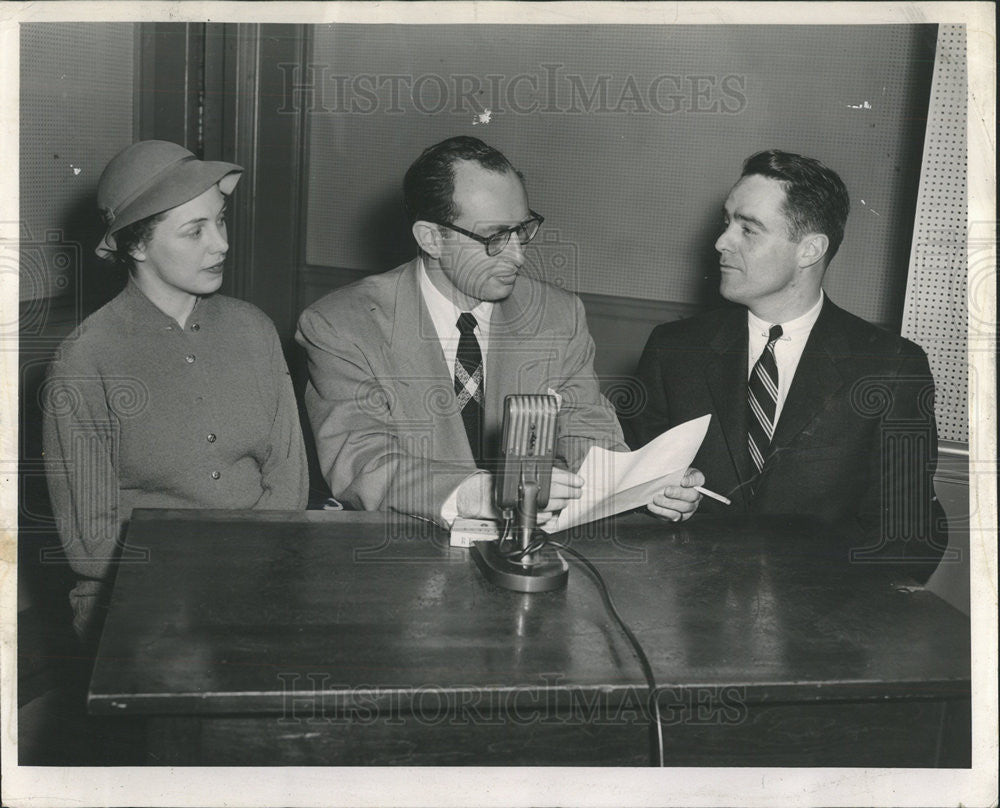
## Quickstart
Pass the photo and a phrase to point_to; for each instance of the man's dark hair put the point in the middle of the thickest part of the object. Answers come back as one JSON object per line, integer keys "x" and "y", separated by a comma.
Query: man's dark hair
{"x": 816, "y": 199}
{"x": 429, "y": 184}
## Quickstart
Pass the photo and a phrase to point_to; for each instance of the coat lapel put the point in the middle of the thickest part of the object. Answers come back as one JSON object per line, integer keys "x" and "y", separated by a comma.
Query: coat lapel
{"x": 519, "y": 355}
{"x": 420, "y": 376}
{"x": 726, "y": 373}
{"x": 817, "y": 378}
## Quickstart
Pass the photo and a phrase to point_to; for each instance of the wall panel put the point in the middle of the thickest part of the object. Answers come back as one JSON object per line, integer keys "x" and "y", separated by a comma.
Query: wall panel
{"x": 935, "y": 315}
{"x": 77, "y": 112}
{"x": 630, "y": 137}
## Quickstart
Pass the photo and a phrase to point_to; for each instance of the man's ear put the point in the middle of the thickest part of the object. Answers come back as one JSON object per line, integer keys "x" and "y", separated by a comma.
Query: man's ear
{"x": 812, "y": 248}
{"x": 428, "y": 236}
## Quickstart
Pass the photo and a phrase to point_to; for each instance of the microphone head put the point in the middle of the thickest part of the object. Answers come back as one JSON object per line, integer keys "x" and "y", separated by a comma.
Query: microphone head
{"x": 527, "y": 447}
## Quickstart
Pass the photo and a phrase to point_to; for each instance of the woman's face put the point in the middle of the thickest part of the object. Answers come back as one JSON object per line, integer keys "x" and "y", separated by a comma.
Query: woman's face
{"x": 187, "y": 249}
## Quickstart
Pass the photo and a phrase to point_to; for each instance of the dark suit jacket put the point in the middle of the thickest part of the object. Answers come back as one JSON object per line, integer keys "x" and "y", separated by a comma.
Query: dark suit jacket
{"x": 856, "y": 443}
{"x": 381, "y": 398}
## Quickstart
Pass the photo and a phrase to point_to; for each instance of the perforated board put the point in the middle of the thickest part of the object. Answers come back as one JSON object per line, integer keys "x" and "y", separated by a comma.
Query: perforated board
{"x": 76, "y": 114}
{"x": 936, "y": 315}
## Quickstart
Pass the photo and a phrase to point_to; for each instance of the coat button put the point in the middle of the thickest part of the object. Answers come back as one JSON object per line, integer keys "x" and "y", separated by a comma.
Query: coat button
{"x": 210, "y": 437}
{"x": 216, "y": 475}
{"x": 189, "y": 358}
{"x": 195, "y": 327}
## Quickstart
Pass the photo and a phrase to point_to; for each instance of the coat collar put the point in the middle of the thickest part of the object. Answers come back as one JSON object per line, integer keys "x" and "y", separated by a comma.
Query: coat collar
{"x": 518, "y": 340}
{"x": 725, "y": 373}
{"x": 424, "y": 380}
{"x": 140, "y": 312}
{"x": 413, "y": 340}
{"x": 817, "y": 378}
{"x": 514, "y": 320}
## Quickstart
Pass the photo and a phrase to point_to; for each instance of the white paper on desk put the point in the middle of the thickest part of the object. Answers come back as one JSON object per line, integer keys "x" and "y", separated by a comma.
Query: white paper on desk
{"x": 619, "y": 481}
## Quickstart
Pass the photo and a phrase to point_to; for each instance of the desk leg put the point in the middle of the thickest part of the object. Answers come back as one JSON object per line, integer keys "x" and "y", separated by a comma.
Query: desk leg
{"x": 955, "y": 750}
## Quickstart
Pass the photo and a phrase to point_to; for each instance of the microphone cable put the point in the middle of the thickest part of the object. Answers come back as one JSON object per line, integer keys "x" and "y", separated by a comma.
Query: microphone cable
{"x": 653, "y": 704}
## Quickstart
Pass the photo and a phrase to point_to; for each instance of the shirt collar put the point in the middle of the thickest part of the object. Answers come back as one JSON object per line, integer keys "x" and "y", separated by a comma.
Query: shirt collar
{"x": 139, "y": 310}
{"x": 792, "y": 329}
{"x": 443, "y": 310}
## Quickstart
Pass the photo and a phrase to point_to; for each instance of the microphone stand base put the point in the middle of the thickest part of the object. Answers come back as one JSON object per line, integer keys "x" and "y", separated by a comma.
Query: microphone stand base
{"x": 544, "y": 576}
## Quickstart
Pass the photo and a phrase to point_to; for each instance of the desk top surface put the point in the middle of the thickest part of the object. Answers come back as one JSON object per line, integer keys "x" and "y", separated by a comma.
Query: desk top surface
{"x": 233, "y": 611}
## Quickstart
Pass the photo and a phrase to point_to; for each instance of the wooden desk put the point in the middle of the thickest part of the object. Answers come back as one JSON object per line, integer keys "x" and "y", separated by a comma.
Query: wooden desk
{"x": 339, "y": 638}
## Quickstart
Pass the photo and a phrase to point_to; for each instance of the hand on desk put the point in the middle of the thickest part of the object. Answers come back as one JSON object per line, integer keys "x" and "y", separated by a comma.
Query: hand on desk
{"x": 677, "y": 503}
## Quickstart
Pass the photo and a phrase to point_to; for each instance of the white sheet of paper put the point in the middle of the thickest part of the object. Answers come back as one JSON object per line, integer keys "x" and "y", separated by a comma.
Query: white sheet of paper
{"x": 619, "y": 481}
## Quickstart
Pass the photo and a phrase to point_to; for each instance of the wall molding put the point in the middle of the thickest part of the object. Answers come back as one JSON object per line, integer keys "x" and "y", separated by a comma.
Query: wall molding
{"x": 315, "y": 281}
{"x": 240, "y": 79}
{"x": 46, "y": 321}
{"x": 620, "y": 327}
{"x": 653, "y": 312}
{"x": 953, "y": 462}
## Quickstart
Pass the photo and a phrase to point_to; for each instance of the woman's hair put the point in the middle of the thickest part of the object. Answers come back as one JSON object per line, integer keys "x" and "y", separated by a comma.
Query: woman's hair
{"x": 132, "y": 236}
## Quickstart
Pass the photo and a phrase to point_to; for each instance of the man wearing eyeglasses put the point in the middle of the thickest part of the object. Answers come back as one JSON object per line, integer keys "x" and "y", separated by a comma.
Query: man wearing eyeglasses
{"x": 409, "y": 369}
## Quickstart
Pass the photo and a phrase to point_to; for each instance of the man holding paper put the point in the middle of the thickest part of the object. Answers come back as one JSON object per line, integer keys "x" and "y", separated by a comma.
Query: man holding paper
{"x": 409, "y": 369}
{"x": 814, "y": 410}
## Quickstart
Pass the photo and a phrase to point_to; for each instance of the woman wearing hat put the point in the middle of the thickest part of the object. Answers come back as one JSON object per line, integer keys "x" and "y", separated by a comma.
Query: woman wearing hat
{"x": 170, "y": 396}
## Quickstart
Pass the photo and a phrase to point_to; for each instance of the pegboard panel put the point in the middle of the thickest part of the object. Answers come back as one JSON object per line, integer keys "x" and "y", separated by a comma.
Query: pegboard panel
{"x": 630, "y": 138}
{"x": 76, "y": 114}
{"x": 936, "y": 315}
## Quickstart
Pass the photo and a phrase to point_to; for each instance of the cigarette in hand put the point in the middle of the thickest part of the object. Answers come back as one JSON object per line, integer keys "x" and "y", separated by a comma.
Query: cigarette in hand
{"x": 713, "y": 495}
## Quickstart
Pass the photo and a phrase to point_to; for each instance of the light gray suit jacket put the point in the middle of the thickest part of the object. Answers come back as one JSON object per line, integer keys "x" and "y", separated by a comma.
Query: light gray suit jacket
{"x": 381, "y": 398}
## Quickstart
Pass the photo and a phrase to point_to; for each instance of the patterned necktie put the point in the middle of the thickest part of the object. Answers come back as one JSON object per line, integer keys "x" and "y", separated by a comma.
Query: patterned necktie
{"x": 469, "y": 383}
{"x": 762, "y": 398}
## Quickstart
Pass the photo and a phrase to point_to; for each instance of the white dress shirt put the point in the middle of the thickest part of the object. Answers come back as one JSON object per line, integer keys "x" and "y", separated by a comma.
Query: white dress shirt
{"x": 787, "y": 350}
{"x": 444, "y": 314}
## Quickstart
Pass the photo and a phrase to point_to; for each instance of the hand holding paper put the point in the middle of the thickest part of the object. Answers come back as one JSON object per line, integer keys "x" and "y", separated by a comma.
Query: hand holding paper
{"x": 678, "y": 502}
{"x": 620, "y": 481}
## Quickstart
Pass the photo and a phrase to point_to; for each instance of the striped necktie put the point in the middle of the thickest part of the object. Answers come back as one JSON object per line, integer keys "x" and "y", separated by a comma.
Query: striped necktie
{"x": 762, "y": 400}
{"x": 469, "y": 385}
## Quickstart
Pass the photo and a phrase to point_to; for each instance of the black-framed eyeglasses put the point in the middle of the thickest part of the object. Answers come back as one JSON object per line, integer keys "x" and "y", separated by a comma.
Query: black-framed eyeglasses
{"x": 496, "y": 242}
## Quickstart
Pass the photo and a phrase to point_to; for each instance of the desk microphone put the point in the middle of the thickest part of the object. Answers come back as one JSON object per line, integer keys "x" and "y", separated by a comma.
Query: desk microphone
{"x": 521, "y": 486}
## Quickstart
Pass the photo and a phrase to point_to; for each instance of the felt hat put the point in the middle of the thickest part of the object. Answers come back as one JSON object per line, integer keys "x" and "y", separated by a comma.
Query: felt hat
{"x": 152, "y": 176}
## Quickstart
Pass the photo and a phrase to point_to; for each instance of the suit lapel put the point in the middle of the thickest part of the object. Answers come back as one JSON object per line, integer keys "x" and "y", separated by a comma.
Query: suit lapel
{"x": 726, "y": 374}
{"x": 421, "y": 377}
{"x": 817, "y": 378}
{"x": 519, "y": 353}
